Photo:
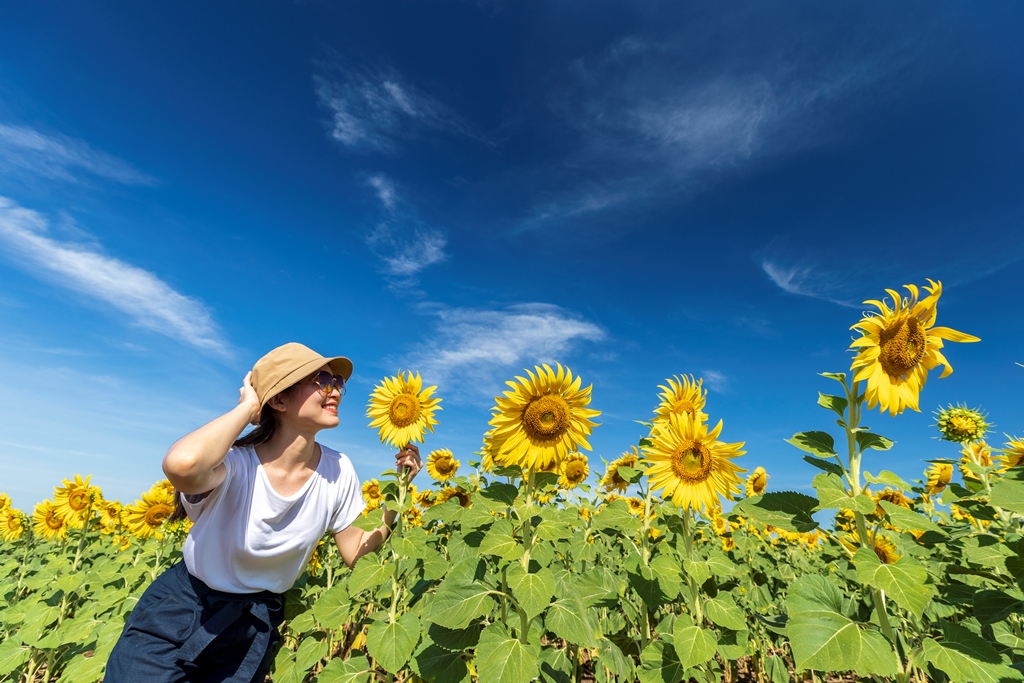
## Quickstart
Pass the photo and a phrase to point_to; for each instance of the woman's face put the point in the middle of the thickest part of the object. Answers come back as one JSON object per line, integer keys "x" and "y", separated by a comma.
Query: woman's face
{"x": 307, "y": 406}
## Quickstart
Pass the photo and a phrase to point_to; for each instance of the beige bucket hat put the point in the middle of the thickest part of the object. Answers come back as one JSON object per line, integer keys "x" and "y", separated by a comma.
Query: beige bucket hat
{"x": 287, "y": 364}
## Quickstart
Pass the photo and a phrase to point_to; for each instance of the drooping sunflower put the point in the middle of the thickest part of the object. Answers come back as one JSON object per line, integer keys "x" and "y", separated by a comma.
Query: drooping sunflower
{"x": 442, "y": 465}
{"x": 682, "y": 395}
{"x": 961, "y": 424}
{"x": 542, "y": 419}
{"x": 636, "y": 506}
{"x": 690, "y": 463}
{"x": 757, "y": 482}
{"x": 12, "y": 524}
{"x": 883, "y": 547}
{"x": 448, "y": 492}
{"x": 898, "y": 347}
{"x": 424, "y": 499}
{"x": 1011, "y": 454}
{"x": 371, "y": 494}
{"x": 145, "y": 518}
{"x": 728, "y": 543}
{"x": 74, "y": 500}
{"x": 402, "y": 410}
{"x": 48, "y": 522}
{"x": 893, "y": 496}
{"x": 165, "y": 488}
{"x": 611, "y": 481}
{"x": 574, "y": 471}
{"x": 977, "y": 452}
{"x": 939, "y": 475}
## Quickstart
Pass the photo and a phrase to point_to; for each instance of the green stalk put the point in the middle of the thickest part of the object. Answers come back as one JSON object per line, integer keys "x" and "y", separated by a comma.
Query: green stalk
{"x": 694, "y": 588}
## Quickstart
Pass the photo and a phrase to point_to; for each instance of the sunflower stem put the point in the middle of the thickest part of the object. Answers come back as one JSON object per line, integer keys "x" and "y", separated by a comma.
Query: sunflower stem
{"x": 698, "y": 609}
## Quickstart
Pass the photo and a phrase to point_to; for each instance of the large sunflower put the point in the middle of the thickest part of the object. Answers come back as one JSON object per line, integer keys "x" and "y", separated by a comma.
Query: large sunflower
{"x": 574, "y": 471}
{"x": 690, "y": 463}
{"x": 757, "y": 482}
{"x": 442, "y": 465}
{"x": 48, "y": 522}
{"x": 939, "y": 475}
{"x": 682, "y": 395}
{"x": 898, "y": 347}
{"x": 612, "y": 480}
{"x": 542, "y": 419}
{"x": 446, "y": 493}
{"x": 75, "y": 499}
{"x": 12, "y": 524}
{"x": 1012, "y": 454}
{"x": 145, "y": 517}
{"x": 402, "y": 410}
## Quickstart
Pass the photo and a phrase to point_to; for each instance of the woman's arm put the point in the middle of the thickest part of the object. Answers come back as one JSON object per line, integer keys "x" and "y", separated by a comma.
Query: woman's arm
{"x": 352, "y": 541}
{"x": 194, "y": 464}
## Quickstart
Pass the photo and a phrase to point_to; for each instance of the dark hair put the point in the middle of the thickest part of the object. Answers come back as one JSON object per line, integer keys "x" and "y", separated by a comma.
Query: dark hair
{"x": 262, "y": 433}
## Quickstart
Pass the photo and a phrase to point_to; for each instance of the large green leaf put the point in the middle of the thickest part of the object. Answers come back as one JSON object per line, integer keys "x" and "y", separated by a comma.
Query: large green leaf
{"x": 12, "y": 655}
{"x": 310, "y": 652}
{"x": 837, "y": 404}
{"x": 694, "y": 645}
{"x": 332, "y": 608}
{"x": 868, "y": 440}
{"x": 458, "y": 601}
{"x": 832, "y": 493}
{"x": 84, "y": 669}
{"x": 392, "y": 643}
{"x": 500, "y": 540}
{"x": 734, "y": 644}
{"x": 966, "y": 657}
{"x": 500, "y": 658}
{"x": 908, "y": 519}
{"x": 787, "y": 510}
{"x": 455, "y": 640}
{"x": 826, "y": 465}
{"x": 611, "y": 657}
{"x": 820, "y": 444}
{"x": 352, "y": 670}
{"x": 659, "y": 663}
{"x": 991, "y": 606}
{"x": 1008, "y": 491}
{"x": 532, "y": 591}
{"x": 905, "y": 581}
{"x": 723, "y": 611}
{"x": 438, "y": 665}
{"x": 567, "y": 618}
{"x": 369, "y": 573}
{"x": 987, "y": 551}
{"x": 504, "y": 494}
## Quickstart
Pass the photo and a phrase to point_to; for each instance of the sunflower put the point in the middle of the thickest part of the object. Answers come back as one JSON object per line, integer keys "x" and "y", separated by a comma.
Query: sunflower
{"x": 728, "y": 544}
{"x": 690, "y": 462}
{"x": 883, "y": 547}
{"x": 611, "y": 481}
{"x": 636, "y": 506}
{"x": 899, "y": 346}
{"x": 720, "y": 525}
{"x": 164, "y": 488}
{"x": 542, "y": 419}
{"x": 12, "y": 524}
{"x": 371, "y": 494}
{"x": 144, "y": 518}
{"x": 893, "y": 496}
{"x": 682, "y": 395}
{"x": 448, "y": 492}
{"x": 1012, "y": 454}
{"x": 414, "y": 516}
{"x": 441, "y": 465}
{"x": 977, "y": 453}
{"x": 757, "y": 482}
{"x": 939, "y": 475}
{"x": 110, "y": 516}
{"x": 585, "y": 514}
{"x": 486, "y": 453}
{"x": 961, "y": 424}
{"x": 402, "y": 410}
{"x": 75, "y": 499}
{"x": 47, "y": 521}
{"x": 316, "y": 559}
{"x": 424, "y": 499}
{"x": 5, "y": 501}
{"x": 574, "y": 471}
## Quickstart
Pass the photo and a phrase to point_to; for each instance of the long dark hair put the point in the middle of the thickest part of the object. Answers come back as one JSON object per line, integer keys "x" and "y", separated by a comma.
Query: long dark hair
{"x": 262, "y": 433}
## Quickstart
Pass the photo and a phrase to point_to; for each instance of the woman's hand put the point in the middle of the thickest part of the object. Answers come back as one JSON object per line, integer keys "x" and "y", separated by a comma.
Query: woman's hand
{"x": 409, "y": 459}
{"x": 247, "y": 397}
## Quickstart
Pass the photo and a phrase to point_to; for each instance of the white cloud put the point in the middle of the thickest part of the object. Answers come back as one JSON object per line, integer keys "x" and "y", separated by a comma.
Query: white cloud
{"x": 806, "y": 281}
{"x": 58, "y": 156}
{"x": 385, "y": 190}
{"x": 404, "y": 245}
{"x": 147, "y": 299}
{"x": 474, "y": 349}
{"x": 715, "y": 381}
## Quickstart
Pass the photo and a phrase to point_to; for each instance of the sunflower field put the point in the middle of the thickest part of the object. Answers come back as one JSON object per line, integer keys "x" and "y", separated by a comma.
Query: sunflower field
{"x": 672, "y": 563}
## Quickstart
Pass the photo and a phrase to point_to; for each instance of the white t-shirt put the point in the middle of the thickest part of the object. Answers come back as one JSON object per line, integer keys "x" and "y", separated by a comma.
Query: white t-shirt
{"x": 248, "y": 538}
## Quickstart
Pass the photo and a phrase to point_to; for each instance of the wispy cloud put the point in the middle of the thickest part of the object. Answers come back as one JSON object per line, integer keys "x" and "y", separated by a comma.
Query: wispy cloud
{"x": 473, "y": 349}
{"x": 61, "y": 157}
{"x": 84, "y": 269}
{"x": 716, "y": 381}
{"x": 805, "y": 280}
{"x": 405, "y": 246}
{"x": 372, "y": 109}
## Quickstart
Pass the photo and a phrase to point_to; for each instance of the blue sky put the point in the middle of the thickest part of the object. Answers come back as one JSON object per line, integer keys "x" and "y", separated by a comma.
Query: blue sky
{"x": 634, "y": 189}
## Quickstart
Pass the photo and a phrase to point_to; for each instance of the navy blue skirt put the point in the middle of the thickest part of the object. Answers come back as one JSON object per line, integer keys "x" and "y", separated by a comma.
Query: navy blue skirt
{"x": 183, "y": 631}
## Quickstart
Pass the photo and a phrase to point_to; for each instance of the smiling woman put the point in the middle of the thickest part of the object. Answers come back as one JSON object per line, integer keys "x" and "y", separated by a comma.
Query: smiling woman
{"x": 215, "y": 615}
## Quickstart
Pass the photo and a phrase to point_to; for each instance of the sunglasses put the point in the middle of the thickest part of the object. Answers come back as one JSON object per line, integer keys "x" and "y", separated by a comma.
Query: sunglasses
{"x": 328, "y": 382}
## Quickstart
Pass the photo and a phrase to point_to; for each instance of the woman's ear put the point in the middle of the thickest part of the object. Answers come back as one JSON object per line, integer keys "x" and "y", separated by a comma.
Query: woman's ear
{"x": 277, "y": 403}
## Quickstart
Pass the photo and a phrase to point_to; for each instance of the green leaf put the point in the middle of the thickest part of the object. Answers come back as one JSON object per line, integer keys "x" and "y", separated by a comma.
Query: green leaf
{"x": 500, "y": 540}
{"x": 723, "y": 611}
{"x": 12, "y": 656}
{"x": 660, "y": 664}
{"x": 775, "y": 667}
{"x": 827, "y": 465}
{"x": 455, "y": 640}
{"x": 1008, "y": 491}
{"x": 887, "y": 478}
{"x": 310, "y": 652}
{"x": 820, "y": 444}
{"x": 332, "y": 608}
{"x": 369, "y": 573}
{"x": 908, "y": 519}
{"x": 832, "y": 493}
{"x": 498, "y": 492}
{"x": 532, "y": 591}
{"x": 459, "y": 600}
{"x": 555, "y": 666}
{"x": 567, "y": 618}
{"x": 352, "y": 670}
{"x": 698, "y": 570}
{"x": 437, "y": 665}
{"x": 787, "y": 510}
{"x": 617, "y": 517}
{"x": 694, "y": 645}
{"x": 83, "y": 668}
{"x": 905, "y": 581}
{"x": 868, "y": 440}
{"x": 837, "y": 376}
{"x": 392, "y": 643}
{"x": 500, "y": 658}
{"x": 734, "y": 644}
{"x": 991, "y": 606}
{"x": 837, "y": 404}
{"x": 966, "y": 657}
{"x": 611, "y": 657}
{"x": 721, "y": 566}
{"x": 630, "y": 474}
{"x": 987, "y": 551}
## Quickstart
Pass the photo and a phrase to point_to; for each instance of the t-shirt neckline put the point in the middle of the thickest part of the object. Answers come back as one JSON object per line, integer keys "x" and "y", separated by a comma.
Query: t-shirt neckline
{"x": 266, "y": 480}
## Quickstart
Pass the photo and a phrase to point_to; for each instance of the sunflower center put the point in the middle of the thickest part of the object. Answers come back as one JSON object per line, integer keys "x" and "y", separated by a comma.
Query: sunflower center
{"x": 404, "y": 410}
{"x": 902, "y": 347}
{"x": 576, "y": 472}
{"x": 78, "y": 500}
{"x": 156, "y": 514}
{"x": 684, "y": 405}
{"x": 444, "y": 466}
{"x": 962, "y": 425}
{"x": 691, "y": 462}
{"x": 546, "y": 418}
{"x": 759, "y": 482}
{"x": 54, "y": 521}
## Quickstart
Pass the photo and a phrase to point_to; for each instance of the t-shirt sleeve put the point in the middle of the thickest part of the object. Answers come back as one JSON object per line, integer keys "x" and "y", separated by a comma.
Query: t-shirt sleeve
{"x": 350, "y": 498}
{"x": 194, "y": 508}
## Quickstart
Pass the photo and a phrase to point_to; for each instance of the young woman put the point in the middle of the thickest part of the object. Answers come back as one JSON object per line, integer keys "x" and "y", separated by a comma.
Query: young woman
{"x": 260, "y": 505}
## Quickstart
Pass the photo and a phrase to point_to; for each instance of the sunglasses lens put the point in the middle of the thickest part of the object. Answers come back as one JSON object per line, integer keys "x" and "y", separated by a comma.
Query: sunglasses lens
{"x": 328, "y": 382}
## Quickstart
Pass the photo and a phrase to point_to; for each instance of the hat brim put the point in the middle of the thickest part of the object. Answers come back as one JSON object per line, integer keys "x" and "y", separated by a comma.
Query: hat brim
{"x": 339, "y": 365}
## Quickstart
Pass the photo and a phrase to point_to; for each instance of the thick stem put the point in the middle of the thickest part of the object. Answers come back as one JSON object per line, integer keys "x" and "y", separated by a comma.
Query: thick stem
{"x": 698, "y": 609}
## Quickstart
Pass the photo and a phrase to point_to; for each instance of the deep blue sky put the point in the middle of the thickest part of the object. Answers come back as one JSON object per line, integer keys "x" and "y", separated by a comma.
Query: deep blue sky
{"x": 635, "y": 189}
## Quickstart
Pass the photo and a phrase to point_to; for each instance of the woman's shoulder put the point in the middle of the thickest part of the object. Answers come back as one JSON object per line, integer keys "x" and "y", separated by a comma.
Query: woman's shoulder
{"x": 335, "y": 465}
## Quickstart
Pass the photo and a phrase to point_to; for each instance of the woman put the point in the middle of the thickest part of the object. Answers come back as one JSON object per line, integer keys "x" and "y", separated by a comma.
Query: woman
{"x": 260, "y": 505}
